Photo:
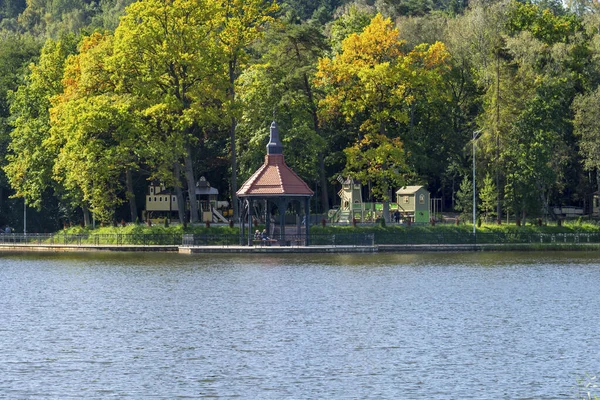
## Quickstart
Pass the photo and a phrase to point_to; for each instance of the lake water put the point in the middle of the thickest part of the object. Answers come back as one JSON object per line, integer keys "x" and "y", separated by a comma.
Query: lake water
{"x": 436, "y": 326}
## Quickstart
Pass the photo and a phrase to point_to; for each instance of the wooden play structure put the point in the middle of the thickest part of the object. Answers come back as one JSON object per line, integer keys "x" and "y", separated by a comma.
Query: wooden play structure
{"x": 412, "y": 204}
{"x": 206, "y": 196}
{"x": 161, "y": 202}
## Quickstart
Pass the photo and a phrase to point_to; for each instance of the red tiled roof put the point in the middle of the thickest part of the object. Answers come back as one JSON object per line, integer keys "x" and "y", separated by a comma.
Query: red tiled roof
{"x": 274, "y": 178}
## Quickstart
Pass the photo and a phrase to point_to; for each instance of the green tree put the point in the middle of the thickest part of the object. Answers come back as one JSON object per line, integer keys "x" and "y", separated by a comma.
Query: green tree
{"x": 379, "y": 160}
{"x": 375, "y": 83}
{"x": 30, "y": 158}
{"x": 587, "y": 128}
{"x": 96, "y": 131}
{"x": 283, "y": 81}
{"x": 488, "y": 195}
{"x": 16, "y": 53}
{"x": 241, "y": 22}
{"x": 168, "y": 56}
{"x": 464, "y": 199}
{"x": 353, "y": 21}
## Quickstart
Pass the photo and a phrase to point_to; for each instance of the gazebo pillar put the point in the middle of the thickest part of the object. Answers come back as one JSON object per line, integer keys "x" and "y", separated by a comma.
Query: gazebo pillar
{"x": 241, "y": 221}
{"x": 267, "y": 217}
{"x": 307, "y": 221}
{"x": 282, "y": 209}
{"x": 249, "y": 201}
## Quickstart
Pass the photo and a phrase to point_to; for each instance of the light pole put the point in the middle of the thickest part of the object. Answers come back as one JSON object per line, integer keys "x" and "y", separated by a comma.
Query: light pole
{"x": 475, "y": 136}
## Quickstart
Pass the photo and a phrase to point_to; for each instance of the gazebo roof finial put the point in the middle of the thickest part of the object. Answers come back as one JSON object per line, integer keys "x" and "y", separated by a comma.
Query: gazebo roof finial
{"x": 274, "y": 146}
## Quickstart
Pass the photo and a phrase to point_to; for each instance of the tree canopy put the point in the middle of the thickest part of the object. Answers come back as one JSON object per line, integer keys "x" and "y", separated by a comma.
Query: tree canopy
{"x": 98, "y": 98}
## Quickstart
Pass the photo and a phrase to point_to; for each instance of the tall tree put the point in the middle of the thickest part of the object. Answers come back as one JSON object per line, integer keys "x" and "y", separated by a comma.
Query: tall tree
{"x": 374, "y": 81}
{"x": 241, "y": 23}
{"x": 96, "y": 130}
{"x": 30, "y": 157}
{"x": 168, "y": 54}
{"x": 283, "y": 81}
{"x": 478, "y": 38}
{"x": 587, "y": 127}
{"x": 16, "y": 53}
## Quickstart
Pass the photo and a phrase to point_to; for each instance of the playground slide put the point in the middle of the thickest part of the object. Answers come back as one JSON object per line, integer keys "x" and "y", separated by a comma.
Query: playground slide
{"x": 219, "y": 215}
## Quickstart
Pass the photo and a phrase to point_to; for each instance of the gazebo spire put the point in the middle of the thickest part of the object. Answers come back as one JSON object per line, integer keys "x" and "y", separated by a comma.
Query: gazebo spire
{"x": 274, "y": 146}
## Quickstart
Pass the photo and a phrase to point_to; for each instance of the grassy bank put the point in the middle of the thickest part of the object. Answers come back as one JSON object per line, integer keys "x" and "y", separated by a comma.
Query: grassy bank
{"x": 574, "y": 227}
{"x": 140, "y": 229}
{"x": 575, "y": 234}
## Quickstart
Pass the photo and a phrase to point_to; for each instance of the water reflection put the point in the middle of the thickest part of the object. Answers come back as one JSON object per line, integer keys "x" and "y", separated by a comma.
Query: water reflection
{"x": 452, "y": 325}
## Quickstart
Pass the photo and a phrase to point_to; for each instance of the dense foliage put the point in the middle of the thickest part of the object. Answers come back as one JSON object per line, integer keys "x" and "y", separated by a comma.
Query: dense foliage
{"x": 97, "y": 98}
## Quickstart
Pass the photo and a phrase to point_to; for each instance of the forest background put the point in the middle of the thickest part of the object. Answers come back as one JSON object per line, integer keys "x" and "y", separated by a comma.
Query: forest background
{"x": 97, "y": 98}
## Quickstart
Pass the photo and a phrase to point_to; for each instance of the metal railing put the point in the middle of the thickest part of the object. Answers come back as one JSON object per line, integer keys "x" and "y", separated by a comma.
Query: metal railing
{"x": 485, "y": 238}
{"x": 91, "y": 239}
{"x": 352, "y": 239}
{"x": 345, "y": 239}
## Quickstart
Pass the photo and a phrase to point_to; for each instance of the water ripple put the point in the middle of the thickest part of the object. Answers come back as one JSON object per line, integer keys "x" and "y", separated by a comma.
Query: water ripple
{"x": 469, "y": 326}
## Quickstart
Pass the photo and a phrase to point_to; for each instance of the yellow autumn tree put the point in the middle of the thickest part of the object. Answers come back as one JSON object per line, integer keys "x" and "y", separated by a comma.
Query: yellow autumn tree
{"x": 372, "y": 83}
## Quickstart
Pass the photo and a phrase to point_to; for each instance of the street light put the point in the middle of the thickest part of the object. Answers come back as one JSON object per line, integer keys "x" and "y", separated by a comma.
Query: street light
{"x": 475, "y": 136}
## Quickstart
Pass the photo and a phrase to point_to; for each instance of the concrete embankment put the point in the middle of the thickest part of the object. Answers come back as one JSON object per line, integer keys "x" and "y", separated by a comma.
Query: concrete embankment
{"x": 82, "y": 248}
{"x": 278, "y": 249}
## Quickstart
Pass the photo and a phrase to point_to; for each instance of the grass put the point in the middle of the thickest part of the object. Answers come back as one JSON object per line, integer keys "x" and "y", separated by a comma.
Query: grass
{"x": 535, "y": 236}
{"x": 133, "y": 229}
{"x": 570, "y": 227}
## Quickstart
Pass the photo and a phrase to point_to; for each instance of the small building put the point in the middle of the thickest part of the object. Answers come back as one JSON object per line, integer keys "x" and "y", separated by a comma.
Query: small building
{"x": 413, "y": 202}
{"x": 160, "y": 202}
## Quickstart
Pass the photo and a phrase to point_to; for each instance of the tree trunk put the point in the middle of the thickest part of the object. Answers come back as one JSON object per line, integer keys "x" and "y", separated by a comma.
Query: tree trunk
{"x": 315, "y": 118}
{"x": 499, "y": 203}
{"x": 386, "y": 206}
{"x": 386, "y": 211}
{"x": 86, "y": 216}
{"x": 323, "y": 178}
{"x": 597, "y": 181}
{"x": 234, "y": 188}
{"x": 191, "y": 184}
{"x": 179, "y": 194}
{"x": 131, "y": 195}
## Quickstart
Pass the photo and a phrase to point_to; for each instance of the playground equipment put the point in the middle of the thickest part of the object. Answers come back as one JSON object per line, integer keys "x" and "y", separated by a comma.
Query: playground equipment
{"x": 207, "y": 202}
{"x": 162, "y": 202}
{"x": 353, "y": 207}
{"x": 412, "y": 204}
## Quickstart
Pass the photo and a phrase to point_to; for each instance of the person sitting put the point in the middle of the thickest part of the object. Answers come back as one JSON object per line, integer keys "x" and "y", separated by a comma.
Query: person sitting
{"x": 264, "y": 235}
{"x": 257, "y": 235}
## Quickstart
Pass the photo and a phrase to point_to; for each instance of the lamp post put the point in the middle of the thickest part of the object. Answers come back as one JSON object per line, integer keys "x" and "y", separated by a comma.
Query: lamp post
{"x": 475, "y": 136}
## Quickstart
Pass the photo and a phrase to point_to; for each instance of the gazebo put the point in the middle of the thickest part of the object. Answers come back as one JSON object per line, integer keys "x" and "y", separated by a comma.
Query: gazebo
{"x": 274, "y": 185}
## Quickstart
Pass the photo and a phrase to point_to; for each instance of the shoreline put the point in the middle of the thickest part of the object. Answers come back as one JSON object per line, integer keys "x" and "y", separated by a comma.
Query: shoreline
{"x": 404, "y": 248}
